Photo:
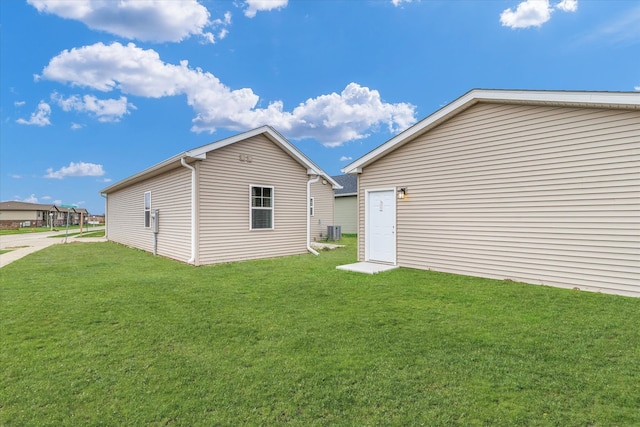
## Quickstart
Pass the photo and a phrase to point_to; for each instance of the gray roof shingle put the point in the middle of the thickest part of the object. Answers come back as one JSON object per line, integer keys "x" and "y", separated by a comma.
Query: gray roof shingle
{"x": 349, "y": 184}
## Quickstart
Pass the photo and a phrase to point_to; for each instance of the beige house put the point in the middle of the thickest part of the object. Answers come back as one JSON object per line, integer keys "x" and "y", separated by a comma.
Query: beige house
{"x": 346, "y": 203}
{"x": 15, "y": 214}
{"x": 253, "y": 195}
{"x": 541, "y": 187}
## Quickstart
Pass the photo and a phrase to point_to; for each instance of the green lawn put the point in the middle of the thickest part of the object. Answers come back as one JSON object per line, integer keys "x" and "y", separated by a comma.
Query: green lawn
{"x": 85, "y": 233}
{"x": 99, "y": 334}
{"x": 61, "y": 229}
{"x": 24, "y": 230}
{"x": 89, "y": 233}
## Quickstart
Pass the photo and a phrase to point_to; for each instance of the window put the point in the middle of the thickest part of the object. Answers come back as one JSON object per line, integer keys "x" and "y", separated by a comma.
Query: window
{"x": 261, "y": 207}
{"x": 312, "y": 204}
{"x": 147, "y": 209}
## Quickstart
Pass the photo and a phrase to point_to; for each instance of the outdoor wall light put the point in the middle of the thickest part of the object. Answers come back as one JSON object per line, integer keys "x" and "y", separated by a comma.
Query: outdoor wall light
{"x": 402, "y": 193}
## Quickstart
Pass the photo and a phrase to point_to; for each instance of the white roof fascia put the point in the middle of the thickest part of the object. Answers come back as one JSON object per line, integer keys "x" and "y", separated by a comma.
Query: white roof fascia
{"x": 579, "y": 98}
{"x": 421, "y": 126}
{"x": 626, "y": 100}
{"x": 155, "y": 167}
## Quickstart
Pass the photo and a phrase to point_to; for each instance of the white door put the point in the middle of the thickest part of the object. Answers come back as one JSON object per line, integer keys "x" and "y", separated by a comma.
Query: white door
{"x": 381, "y": 226}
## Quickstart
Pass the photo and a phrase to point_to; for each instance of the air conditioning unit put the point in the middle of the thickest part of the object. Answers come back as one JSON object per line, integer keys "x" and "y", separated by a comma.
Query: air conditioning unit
{"x": 334, "y": 232}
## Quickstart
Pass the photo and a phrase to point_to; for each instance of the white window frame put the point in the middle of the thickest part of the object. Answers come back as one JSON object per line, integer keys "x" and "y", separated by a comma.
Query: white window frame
{"x": 272, "y": 208}
{"x": 147, "y": 210}
{"x": 312, "y": 206}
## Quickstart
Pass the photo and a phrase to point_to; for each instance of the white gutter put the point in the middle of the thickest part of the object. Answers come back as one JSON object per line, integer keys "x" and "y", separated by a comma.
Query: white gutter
{"x": 311, "y": 181}
{"x": 193, "y": 210}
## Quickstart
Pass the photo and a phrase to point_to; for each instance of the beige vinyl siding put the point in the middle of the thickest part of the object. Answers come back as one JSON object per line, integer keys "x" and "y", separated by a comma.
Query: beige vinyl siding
{"x": 323, "y": 199}
{"x": 20, "y": 215}
{"x": 224, "y": 180}
{"x": 171, "y": 194}
{"x": 539, "y": 194}
{"x": 346, "y": 213}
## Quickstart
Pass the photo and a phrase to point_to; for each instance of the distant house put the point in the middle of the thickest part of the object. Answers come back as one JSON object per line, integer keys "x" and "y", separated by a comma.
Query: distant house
{"x": 96, "y": 220}
{"x": 15, "y": 214}
{"x": 346, "y": 203}
{"x": 534, "y": 186}
{"x": 249, "y": 196}
{"x": 75, "y": 216}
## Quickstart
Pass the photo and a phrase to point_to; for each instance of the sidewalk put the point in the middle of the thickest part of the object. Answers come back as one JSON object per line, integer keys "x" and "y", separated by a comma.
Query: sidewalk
{"x": 21, "y": 245}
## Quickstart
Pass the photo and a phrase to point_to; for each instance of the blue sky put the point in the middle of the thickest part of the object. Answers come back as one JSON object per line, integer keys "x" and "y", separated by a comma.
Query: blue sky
{"x": 95, "y": 91}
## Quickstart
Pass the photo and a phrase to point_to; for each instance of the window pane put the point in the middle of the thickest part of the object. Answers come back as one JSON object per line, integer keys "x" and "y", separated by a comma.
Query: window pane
{"x": 261, "y": 207}
{"x": 261, "y": 218}
{"x": 147, "y": 209}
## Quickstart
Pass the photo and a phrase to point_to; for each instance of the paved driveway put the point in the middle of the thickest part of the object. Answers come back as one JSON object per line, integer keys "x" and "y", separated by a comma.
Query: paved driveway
{"x": 25, "y": 244}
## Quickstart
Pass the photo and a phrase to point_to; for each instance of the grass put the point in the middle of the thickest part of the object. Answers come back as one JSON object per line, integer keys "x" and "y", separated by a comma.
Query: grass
{"x": 97, "y": 233}
{"x": 4, "y": 251}
{"x": 25, "y": 230}
{"x": 100, "y": 334}
{"x": 85, "y": 233}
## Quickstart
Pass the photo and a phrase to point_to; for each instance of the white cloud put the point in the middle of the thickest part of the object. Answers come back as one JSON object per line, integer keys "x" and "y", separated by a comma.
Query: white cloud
{"x": 105, "y": 180}
{"x": 31, "y": 199}
{"x": 345, "y": 158}
{"x": 46, "y": 197}
{"x": 568, "y": 5}
{"x": 224, "y": 23}
{"x": 529, "y": 13}
{"x": 254, "y": 6}
{"x": 150, "y": 20}
{"x": 19, "y": 103}
{"x": 331, "y": 119}
{"x": 57, "y": 202}
{"x": 38, "y": 118}
{"x": 336, "y": 118}
{"x": 76, "y": 126}
{"x": 534, "y": 13}
{"x": 636, "y": 88}
{"x": 106, "y": 110}
{"x": 15, "y": 176}
{"x": 76, "y": 169}
{"x": 399, "y": 2}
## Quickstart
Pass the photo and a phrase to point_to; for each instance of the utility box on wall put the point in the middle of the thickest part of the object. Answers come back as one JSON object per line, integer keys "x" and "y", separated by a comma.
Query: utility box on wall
{"x": 334, "y": 232}
{"x": 155, "y": 221}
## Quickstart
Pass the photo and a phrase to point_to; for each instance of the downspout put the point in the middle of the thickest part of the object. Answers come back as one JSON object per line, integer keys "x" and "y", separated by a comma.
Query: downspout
{"x": 193, "y": 210}
{"x": 106, "y": 206}
{"x": 311, "y": 181}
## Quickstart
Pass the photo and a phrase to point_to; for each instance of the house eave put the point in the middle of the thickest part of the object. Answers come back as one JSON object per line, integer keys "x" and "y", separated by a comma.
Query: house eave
{"x": 200, "y": 153}
{"x": 578, "y": 99}
{"x": 164, "y": 166}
